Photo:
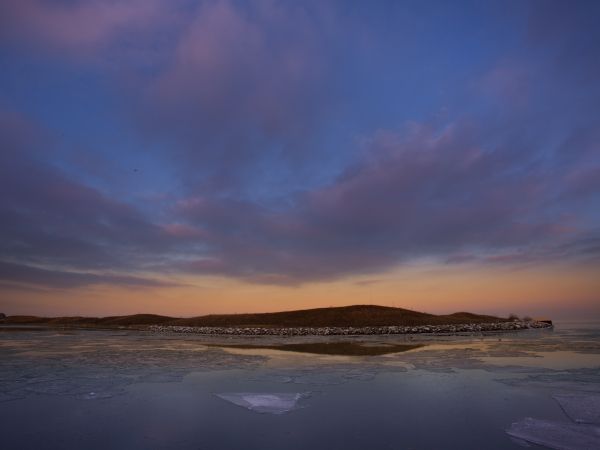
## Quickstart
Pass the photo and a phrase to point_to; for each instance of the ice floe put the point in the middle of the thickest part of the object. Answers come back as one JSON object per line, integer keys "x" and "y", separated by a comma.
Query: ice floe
{"x": 269, "y": 403}
{"x": 556, "y": 435}
{"x": 581, "y": 408}
{"x": 584, "y": 409}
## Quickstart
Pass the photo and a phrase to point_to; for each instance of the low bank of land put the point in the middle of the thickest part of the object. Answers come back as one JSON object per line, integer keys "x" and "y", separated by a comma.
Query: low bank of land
{"x": 347, "y": 320}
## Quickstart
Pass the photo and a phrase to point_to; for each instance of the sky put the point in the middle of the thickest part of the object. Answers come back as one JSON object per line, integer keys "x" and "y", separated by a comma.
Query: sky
{"x": 189, "y": 157}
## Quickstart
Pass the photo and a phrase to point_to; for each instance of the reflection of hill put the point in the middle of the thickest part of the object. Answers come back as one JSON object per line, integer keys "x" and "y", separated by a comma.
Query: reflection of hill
{"x": 333, "y": 348}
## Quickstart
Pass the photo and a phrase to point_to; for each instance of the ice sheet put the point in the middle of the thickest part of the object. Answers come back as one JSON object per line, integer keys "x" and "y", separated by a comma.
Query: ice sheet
{"x": 446, "y": 359}
{"x": 269, "y": 403}
{"x": 322, "y": 375}
{"x": 556, "y": 435}
{"x": 100, "y": 365}
{"x": 581, "y": 408}
{"x": 584, "y": 380}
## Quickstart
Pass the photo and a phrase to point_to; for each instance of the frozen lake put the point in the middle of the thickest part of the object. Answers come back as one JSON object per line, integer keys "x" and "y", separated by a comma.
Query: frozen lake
{"x": 133, "y": 390}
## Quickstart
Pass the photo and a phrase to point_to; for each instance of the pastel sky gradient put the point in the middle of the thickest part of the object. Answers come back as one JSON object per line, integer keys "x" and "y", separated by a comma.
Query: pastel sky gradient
{"x": 186, "y": 157}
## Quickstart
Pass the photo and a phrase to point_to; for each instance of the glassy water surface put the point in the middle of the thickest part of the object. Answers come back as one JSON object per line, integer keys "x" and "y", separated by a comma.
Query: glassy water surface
{"x": 133, "y": 390}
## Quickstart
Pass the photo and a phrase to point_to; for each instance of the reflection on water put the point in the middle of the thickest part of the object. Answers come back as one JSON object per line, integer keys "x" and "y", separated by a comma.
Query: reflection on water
{"x": 16, "y": 328}
{"x": 161, "y": 391}
{"x": 332, "y": 348}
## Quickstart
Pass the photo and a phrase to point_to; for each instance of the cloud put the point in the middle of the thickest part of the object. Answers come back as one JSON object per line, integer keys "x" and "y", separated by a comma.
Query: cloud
{"x": 49, "y": 219}
{"x": 232, "y": 63}
{"x": 229, "y": 88}
{"x": 22, "y": 277}
{"x": 85, "y": 29}
{"x": 244, "y": 91}
{"x": 418, "y": 193}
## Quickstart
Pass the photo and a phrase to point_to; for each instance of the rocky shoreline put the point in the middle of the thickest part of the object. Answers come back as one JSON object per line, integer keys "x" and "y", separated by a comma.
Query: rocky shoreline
{"x": 352, "y": 331}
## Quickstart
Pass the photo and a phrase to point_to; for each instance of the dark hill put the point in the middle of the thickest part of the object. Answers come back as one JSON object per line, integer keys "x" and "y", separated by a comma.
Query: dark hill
{"x": 345, "y": 316}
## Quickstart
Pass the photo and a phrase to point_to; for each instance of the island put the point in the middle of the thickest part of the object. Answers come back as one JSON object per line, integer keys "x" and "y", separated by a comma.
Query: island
{"x": 345, "y": 320}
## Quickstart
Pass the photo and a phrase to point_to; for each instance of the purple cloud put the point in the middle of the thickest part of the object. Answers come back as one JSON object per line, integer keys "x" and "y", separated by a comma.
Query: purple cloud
{"x": 58, "y": 225}
{"x": 85, "y": 30}
{"x": 426, "y": 192}
{"x": 19, "y": 276}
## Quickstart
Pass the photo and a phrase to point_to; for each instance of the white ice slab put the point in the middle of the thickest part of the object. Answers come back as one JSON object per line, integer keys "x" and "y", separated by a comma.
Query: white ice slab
{"x": 581, "y": 408}
{"x": 556, "y": 435}
{"x": 269, "y": 403}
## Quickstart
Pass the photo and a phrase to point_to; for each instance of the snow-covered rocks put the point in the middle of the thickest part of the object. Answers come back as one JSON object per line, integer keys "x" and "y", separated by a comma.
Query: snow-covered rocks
{"x": 351, "y": 331}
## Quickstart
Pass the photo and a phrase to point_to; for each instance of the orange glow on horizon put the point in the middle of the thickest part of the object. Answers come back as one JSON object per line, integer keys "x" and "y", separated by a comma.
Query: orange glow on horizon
{"x": 431, "y": 288}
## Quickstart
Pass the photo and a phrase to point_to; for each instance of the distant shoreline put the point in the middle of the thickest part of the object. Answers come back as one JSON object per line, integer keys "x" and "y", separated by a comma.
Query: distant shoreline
{"x": 332, "y": 321}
